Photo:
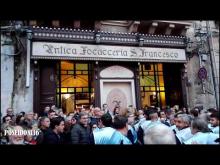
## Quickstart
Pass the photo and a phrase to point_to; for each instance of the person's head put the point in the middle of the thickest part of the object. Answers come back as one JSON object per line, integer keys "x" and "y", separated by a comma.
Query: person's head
{"x": 16, "y": 138}
{"x": 176, "y": 107}
{"x": 131, "y": 118}
{"x": 171, "y": 118}
{"x": 153, "y": 115}
{"x": 214, "y": 119}
{"x": 140, "y": 112}
{"x": 35, "y": 116}
{"x": 184, "y": 110}
{"x": 105, "y": 106}
{"x": 173, "y": 111}
{"x": 44, "y": 122}
{"x": 57, "y": 124}
{"x": 22, "y": 113}
{"x": 60, "y": 113}
{"x": 106, "y": 120}
{"x": 116, "y": 111}
{"x": 19, "y": 119}
{"x": 29, "y": 115}
{"x": 10, "y": 112}
{"x": 168, "y": 112}
{"x": 7, "y": 119}
{"x": 34, "y": 126}
{"x": 182, "y": 121}
{"x": 211, "y": 110}
{"x": 83, "y": 119}
{"x": 204, "y": 116}
{"x": 194, "y": 113}
{"x": 199, "y": 125}
{"x": 53, "y": 107}
{"x": 120, "y": 122}
{"x": 162, "y": 114}
{"x": 51, "y": 114}
{"x": 46, "y": 109}
{"x": 97, "y": 112}
{"x": 159, "y": 134}
{"x": 70, "y": 120}
{"x": 94, "y": 126}
{"x": 177, "y": 114}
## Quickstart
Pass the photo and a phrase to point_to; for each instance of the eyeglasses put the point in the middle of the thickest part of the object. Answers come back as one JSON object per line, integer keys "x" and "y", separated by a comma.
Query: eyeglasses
{"x": 8, "y": 120}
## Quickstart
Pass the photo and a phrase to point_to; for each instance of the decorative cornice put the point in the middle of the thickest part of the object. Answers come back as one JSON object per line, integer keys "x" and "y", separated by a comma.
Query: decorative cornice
{"x": 118, "y": 38}
{"x": 104, "y": 59}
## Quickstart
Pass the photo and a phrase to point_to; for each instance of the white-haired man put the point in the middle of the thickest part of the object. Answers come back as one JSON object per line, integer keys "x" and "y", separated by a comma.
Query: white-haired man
{"x": 159, "y": 134}
{"x": 183, "y": 123}
{"x": 16, "y": 138}
{"x": 201, "y": 133}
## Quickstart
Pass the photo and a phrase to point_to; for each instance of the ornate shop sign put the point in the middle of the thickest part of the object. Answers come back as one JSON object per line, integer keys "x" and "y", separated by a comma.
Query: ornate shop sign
{"x": 48, "y": 50}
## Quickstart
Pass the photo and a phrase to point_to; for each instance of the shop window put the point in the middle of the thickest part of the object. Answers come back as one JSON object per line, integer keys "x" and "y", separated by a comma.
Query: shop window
{"x": 152, "y": 85}
{"x": 74, "y": 85}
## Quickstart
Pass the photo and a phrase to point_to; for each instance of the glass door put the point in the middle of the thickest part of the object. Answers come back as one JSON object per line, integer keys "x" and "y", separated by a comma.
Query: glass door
{"x": 74, "y": 85}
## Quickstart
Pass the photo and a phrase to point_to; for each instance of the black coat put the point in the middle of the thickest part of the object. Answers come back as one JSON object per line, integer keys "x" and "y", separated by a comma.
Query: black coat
{"x": 51, "y": 137}
{"x": 80, "y": 134}
{"x": 40, "y": 137}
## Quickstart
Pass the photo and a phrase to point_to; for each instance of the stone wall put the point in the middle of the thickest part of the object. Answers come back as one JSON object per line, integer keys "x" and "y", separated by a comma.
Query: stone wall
{"x": 14, "y": 92}
{"x": 197, "y": 94}
{"x": 7, "y": 72}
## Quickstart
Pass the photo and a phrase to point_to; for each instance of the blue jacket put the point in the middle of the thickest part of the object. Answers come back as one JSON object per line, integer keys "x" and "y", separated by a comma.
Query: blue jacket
{"x": 203, "y": 138}
{"x": 119, "y": 138}
{"x": 103, "y": 135}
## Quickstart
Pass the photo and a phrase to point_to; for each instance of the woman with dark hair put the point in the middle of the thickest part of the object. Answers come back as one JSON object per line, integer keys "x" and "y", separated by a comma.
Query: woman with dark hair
{"x": 19, "y": 119}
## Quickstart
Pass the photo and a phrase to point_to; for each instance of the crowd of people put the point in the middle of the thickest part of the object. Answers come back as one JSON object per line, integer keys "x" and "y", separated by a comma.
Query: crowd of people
{"x": 150, "y": 125}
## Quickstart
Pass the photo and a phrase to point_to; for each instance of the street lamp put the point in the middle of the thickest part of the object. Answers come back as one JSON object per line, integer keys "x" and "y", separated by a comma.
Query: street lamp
{"x": 97, "y": 38}
{"x": 141, "y": 41}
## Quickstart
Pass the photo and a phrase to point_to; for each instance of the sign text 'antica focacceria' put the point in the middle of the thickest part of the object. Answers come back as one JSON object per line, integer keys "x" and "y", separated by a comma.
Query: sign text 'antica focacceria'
{"x": 105, "y": 51}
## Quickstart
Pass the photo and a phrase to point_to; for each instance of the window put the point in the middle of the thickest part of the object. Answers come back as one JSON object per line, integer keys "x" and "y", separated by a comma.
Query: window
{"x": 74, "y": 85}
{"x": 152, "y": 85}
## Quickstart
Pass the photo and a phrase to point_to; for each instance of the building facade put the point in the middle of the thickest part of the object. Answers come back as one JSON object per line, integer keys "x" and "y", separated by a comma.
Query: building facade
{"x": 77, "y": 64}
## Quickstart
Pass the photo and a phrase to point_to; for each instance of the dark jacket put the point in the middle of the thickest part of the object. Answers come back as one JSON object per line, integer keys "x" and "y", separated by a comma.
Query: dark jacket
{"x": 41, "y": 135}
{"x": 51, "y": 137}
{"x": 67, "y": 134}
{"x": 80, "y": 134}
